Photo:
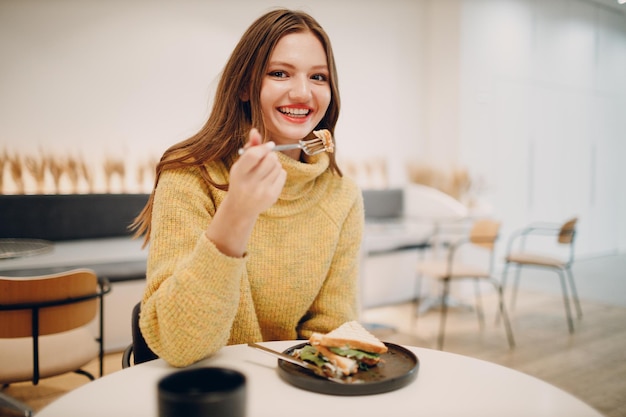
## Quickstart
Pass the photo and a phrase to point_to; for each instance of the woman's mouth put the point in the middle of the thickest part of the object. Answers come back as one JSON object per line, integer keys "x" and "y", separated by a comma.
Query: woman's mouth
{"x": 294, "y": 112}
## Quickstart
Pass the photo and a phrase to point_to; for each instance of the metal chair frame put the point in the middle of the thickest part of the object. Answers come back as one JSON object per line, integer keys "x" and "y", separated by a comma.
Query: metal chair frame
{"x": 566, "y": 234}
{"x": 448, "y": 276}
{"x": 36, "y": 307}
{"x": 138, "y": 349}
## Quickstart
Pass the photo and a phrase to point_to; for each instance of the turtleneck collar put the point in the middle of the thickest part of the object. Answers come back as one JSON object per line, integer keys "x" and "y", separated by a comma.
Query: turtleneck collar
{"x": 301, "y": 176}
{"x": 305, "y": 187}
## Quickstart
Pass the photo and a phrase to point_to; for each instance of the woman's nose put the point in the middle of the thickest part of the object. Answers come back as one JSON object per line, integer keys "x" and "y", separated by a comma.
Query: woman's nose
{"x": 300, "y": 89}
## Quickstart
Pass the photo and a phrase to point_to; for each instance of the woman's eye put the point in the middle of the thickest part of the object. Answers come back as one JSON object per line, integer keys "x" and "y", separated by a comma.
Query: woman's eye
{"x": 278, "y": 74}
{"x": 320, "y": 77}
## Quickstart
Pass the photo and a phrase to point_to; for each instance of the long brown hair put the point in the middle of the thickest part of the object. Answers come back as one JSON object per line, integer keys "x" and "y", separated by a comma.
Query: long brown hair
{"x": 231, "y": 118}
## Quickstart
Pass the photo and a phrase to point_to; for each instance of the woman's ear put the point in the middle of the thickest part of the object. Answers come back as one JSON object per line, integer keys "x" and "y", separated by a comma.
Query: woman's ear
{"x": 244, "y": 96}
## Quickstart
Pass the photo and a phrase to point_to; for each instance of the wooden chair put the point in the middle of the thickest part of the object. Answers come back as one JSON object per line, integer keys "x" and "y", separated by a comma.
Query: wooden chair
{"x": 138, "y": 351}
{"x": 522, "y": 251}
{"x": 483, "y": 235}
{"x": 44, "y": 327}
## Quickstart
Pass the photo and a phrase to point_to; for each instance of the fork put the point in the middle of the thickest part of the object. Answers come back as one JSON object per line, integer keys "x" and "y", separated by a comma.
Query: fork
{"x": 322, "y": 142}
{"x": 291, "y": 359}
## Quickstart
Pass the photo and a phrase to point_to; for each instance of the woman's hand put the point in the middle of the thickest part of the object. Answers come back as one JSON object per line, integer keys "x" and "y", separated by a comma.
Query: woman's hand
{"x": 257, "y": 178}
{"x": 256, "y": 181}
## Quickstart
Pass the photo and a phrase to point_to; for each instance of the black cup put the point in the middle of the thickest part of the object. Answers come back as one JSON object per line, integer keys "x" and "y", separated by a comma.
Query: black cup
{"x": 206, "y": 392}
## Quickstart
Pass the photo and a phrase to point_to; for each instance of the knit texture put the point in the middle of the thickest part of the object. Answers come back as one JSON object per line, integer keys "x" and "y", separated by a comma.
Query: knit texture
{"x": 299, "y": 274}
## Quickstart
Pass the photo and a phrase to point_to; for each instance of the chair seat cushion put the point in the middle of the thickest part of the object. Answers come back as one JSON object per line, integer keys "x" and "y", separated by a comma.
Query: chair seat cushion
{"x": 439, "y": 269}
{"x": 535, "y": 259}
{"x": 58, "y": 353}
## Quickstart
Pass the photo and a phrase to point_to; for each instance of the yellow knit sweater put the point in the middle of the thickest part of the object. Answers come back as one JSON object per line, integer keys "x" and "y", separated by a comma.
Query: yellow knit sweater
{"x": 299, "y": 274}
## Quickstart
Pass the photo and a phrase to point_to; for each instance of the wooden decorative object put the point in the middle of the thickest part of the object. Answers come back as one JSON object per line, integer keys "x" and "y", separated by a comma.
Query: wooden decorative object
{"x": 17, "y": 173}
{"x": 56, "y": 169}
{"x": 3, "y": 160}
{"x": 112, "y": 168}
{"x": 87, "y": 175}
{"x": 37, "y": 169}
{"x": 73, "y": 172}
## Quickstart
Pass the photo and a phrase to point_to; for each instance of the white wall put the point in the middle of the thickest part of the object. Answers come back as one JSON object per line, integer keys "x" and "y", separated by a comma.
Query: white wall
{"x": 543, "y": 89}
{"x": 527, "y": 94}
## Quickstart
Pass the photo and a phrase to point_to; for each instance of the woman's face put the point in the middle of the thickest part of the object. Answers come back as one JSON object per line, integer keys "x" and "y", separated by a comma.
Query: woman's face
{"x": 295, "y": 91}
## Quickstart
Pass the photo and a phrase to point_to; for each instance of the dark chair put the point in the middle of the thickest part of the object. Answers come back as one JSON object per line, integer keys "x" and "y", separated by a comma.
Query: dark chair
{"x": 138, "y": 349}
{"x": 45, "y": 327}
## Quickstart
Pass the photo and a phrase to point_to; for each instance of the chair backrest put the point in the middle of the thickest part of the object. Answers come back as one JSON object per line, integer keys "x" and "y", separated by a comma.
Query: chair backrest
{"x": 141, "y": 351}
{"x": 568, "y": 231}
{"x": 484, "y": 233}
{"x": 64, "y": 301}
{"x": 50, "y": 304}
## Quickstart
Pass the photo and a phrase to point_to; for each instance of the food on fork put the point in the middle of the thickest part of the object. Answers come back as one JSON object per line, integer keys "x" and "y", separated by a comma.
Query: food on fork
{"x": 344, "y": 351}
{"x": 327, "y": 139}
{"x": 322, "y": 142}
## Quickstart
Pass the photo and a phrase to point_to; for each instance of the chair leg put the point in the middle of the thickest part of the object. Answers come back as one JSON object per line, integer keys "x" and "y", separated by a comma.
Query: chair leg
{"x": 505, "y": 317}
{"x": 479, "y": 304}
{"x": 570, "y": 322}
{"x": 502, "y": 287}
{"x": 128, "y": 352}
{"x": 418, "y": 295}
{"x": 101, "y": 336}
{"x": 505, "y": 273}
{"x": 518, "y": 271}
{"x": 444, "y": 312}
{"x": 14, "y": 404}
{"x": 579, "y": 311}
{"x": 85, "y": 373}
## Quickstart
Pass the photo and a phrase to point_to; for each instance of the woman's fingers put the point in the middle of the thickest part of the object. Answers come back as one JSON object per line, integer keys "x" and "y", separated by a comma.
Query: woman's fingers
{"x": 255, "y": 157}
{"x": 257, "y": 177}
{"x": 254, "y": 137}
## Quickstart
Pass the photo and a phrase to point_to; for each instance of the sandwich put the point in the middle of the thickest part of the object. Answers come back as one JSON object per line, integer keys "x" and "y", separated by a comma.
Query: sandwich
{"x": 348, "y": 349}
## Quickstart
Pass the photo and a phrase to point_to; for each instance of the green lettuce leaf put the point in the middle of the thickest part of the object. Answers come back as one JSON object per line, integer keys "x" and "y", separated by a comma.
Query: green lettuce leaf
{"x": 353, "y": 353}
{"x": 309, "y": 353}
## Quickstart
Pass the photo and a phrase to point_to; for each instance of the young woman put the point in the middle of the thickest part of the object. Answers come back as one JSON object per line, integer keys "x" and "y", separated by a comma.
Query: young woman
{"x": 262, "y": 246}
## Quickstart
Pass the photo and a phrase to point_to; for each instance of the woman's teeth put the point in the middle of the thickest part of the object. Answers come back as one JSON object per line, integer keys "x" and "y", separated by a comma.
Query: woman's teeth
{"x": 293, "y": 112}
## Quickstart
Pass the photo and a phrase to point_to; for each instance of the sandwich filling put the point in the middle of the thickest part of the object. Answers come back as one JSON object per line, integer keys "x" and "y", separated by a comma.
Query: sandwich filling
{"x": 344, "y": 351}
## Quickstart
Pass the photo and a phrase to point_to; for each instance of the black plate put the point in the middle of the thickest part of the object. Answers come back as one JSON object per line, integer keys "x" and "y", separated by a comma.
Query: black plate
{"x": 398, "y": 367}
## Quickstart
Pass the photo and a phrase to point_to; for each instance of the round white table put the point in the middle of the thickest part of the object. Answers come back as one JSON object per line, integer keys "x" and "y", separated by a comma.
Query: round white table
{"x": 447, "y": 385}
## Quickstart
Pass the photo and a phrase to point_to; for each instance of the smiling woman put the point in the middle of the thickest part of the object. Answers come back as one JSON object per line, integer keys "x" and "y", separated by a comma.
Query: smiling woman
{"x": 223, "y": 225}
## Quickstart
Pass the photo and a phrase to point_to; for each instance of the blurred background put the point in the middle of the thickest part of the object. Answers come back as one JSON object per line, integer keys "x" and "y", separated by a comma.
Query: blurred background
{"x": 517, "y": 104}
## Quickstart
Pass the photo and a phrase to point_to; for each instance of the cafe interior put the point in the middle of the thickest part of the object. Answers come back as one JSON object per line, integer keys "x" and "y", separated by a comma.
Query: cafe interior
{"x": 487, "y": 136}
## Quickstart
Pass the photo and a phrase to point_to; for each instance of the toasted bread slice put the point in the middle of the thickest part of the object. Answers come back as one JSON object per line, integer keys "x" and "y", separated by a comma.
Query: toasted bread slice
{"x": 351, "y": 335}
